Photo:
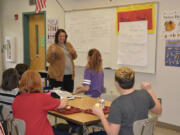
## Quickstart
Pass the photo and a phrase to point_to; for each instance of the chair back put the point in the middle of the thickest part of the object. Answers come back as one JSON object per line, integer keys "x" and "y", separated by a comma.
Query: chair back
{"x": 17, "y": 126}
{"x": 11, "y": 125}
{"x": 4, "y": 112}
{"x": 145, "y": 126}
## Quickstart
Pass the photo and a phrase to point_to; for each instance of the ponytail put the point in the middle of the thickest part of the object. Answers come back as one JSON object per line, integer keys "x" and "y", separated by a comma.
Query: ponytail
{"x": 95, "y": 60}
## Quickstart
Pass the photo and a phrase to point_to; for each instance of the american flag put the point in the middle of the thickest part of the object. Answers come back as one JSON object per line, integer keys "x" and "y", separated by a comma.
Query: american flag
{"x": 39, "y": 5}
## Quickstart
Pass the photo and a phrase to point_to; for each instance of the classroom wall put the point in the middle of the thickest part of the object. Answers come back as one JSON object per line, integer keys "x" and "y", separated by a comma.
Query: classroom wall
{"x": 14, "y": 28}
{"x": 1, "y": 67}
{"x": 166, "y": 80}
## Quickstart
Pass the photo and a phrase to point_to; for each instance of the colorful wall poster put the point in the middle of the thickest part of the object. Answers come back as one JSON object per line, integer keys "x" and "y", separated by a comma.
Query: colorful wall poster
{"x": 172, "y": 53}
{"x": 52, "y": 25}
{"x": 171, "y": 25}
{"x": 137, "y": 13}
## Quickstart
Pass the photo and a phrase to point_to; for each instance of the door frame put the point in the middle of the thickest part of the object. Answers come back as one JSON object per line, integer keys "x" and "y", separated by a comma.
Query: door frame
{"x": 25, "y": 18}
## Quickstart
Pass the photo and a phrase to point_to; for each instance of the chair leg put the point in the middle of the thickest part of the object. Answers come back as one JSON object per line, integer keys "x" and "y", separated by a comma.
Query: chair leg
{"x": 142, "y": 131}
{"x": 55, "y": 120}
{"x": 70, "y": 130}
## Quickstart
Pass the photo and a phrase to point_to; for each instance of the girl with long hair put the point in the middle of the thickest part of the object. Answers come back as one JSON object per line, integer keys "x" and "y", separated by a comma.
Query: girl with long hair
{"x": 93, "y": 84}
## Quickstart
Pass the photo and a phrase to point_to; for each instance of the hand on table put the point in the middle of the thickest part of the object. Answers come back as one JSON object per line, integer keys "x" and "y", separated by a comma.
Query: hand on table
{"x": 78, "y": 89}
{"x": 64, "y": 103}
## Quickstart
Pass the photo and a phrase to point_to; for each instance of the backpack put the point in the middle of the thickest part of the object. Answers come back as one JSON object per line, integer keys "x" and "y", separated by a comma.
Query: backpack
{"x": 10, "y": 125}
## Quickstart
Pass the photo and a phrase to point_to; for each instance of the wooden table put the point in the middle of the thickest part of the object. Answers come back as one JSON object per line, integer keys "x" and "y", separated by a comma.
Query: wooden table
{"x": 81, "y": 118}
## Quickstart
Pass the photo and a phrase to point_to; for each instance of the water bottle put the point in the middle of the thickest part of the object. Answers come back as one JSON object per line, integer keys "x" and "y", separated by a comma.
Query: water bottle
{"x": 101, "y": 101}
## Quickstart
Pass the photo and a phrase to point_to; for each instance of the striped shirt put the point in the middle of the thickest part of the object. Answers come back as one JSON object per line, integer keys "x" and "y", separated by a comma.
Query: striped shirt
{"x": 7, "y": 97}
{"x": 95, "y": 81}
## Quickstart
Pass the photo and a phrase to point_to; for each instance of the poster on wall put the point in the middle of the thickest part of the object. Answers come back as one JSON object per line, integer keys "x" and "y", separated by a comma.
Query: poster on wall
{"x": 140, "y": 12}
{"x": 132, "y": 52}
{"x": 172, "y": 53}
{"x": 10, "y": 49}
{"x": 171, "y": 25}
{"x": 52, "y": 28}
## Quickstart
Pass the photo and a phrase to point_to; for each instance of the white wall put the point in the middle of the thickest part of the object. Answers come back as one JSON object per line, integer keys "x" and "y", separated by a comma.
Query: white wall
{"x": 166, "y": 80}
{"x": 1, "y": 66}
{"x": 14, "y": 28}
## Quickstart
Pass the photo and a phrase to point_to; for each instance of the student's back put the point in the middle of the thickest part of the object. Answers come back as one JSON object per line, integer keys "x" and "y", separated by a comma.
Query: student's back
{"x": 130, "y": 107}
{"x": 33, "y": 109}
{"x": 93, "y": 84}
{"x": 96, "y": 79}
{"x": 32, "y": 105}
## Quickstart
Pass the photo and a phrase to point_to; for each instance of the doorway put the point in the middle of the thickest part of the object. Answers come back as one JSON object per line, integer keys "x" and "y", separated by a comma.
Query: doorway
{"x": 34, "y": 31}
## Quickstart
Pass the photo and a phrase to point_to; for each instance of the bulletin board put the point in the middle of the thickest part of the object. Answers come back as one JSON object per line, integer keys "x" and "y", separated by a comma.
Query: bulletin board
{"x": 122, "y": 41}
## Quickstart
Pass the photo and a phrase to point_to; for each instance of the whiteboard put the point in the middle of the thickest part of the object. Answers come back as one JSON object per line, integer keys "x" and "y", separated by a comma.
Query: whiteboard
{"x": 96, "y": 28}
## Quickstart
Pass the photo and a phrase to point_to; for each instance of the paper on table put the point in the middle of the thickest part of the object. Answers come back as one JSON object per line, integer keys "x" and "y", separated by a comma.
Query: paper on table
{"x": 63, "y": 94}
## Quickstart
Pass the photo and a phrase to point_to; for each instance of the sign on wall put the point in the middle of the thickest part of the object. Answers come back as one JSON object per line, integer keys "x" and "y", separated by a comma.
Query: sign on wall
{"x": 52, "y": 28}
{"x": 10, "y": 51}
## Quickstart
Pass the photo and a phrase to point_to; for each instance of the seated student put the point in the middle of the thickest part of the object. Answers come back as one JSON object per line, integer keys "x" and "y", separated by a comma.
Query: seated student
{"x": 32, "y": 105}
{"x": 93, "y": 83}
{"x": 132, "y": 105}
{"x": 9, "y": 90}
{"x": 21, "y": 68}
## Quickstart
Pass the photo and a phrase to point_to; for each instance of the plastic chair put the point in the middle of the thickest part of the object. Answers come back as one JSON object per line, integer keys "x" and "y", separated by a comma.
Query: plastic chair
{"x": 4, "y": 112}
{"x": 13, "y": 126}
{"x": 17, "y": 126}
{"x": 145, "y": 126}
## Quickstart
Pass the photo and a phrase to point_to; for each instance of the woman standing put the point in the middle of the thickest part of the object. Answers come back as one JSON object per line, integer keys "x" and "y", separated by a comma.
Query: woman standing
{"x": 60, "y": 56}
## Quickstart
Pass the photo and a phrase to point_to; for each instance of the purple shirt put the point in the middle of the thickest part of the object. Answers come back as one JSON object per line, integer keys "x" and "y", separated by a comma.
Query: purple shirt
{"x": 95, "y": 80}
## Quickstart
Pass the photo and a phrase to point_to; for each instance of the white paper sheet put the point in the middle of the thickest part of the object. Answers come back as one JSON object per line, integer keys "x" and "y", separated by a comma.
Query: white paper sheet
{"x": 132, "y": 42}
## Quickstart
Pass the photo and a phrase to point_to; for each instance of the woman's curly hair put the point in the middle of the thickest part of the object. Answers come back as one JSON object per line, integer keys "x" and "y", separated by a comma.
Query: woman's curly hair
{"x": 94, "y": 60}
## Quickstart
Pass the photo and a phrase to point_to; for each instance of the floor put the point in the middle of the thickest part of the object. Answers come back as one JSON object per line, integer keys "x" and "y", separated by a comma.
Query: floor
{"x": 158, "y": 130}
{"x": 164, "y": 131}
